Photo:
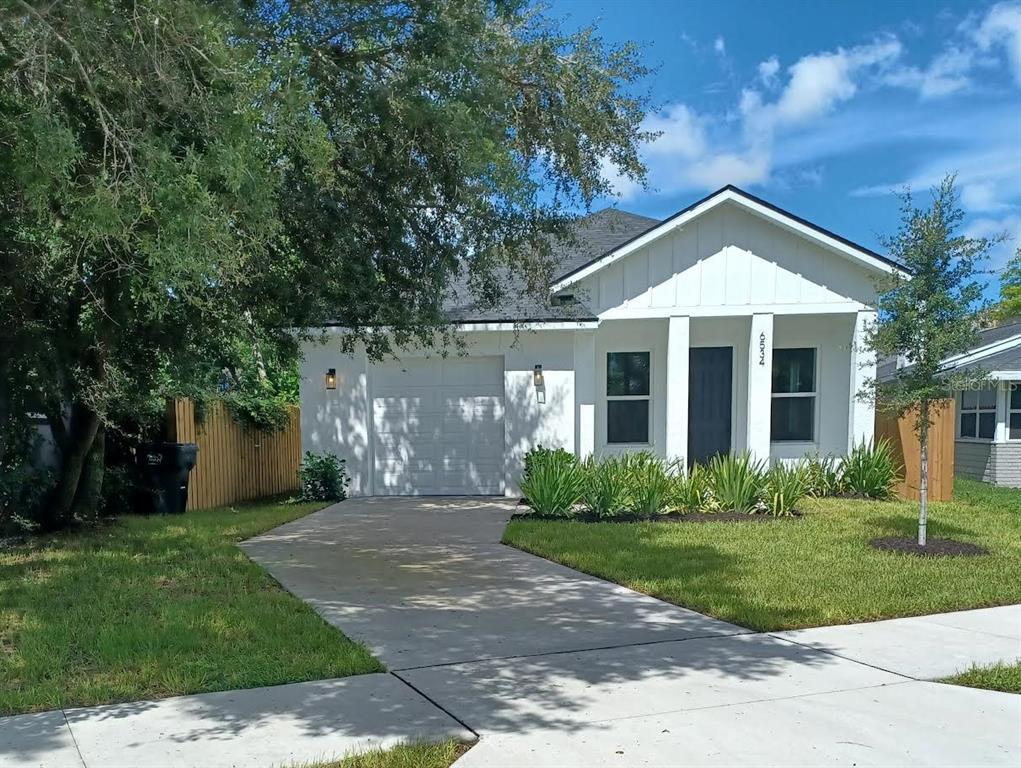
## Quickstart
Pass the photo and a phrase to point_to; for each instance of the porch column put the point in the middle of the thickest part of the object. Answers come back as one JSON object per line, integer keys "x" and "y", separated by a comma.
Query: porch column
{"x": 585, "y": 393}
{"x": 861, "y": 419}
{"x": 677, "y": 351}
{"x": 760, "y": 385}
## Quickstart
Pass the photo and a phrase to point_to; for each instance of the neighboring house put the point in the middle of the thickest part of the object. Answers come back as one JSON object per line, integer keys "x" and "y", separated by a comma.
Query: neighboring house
{"x": 730, "y": 326}
{"x": 988, "y": 439}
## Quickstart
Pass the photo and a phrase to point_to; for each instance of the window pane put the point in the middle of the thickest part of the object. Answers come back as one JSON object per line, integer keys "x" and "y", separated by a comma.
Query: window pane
{"x": 792, "y": 418}
{"x": 627, "y": 373}
{"x": 987, "y": 399}
{"x": 793, "y": 370}
{"x": 987, "y": 425}
{"x": 969, "y": 400}
{"x": 968, "y": 423}
{"x": 627, "y": 421}
{"x": 1015, "y": 426}
{"x": 1015, "y": 396}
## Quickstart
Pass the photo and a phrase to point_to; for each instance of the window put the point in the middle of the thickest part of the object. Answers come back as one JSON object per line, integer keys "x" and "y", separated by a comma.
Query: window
{"x": 977, "y": 418}
{"x": 1014, "y": 411}
{"x": 793, "y": 411}
{"x": 627, "y": 397}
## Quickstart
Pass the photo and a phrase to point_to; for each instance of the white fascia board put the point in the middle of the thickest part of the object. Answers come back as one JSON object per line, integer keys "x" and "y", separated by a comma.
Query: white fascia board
{"x": 981, "y": 353}
{"x": 734, "y": 310}
{"x": 730, "y": 195}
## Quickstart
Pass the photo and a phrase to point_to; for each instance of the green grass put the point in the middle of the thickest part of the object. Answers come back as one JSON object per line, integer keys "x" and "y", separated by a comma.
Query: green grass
{"x": 806, "y": 572}
{"x": 999, "y": 677}
{"x": 157, "y": 606}
{"x": 440, "y": 755}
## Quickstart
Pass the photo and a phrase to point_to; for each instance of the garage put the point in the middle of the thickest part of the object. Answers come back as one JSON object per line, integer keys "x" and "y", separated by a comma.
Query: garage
{"x": 438, "y": 426}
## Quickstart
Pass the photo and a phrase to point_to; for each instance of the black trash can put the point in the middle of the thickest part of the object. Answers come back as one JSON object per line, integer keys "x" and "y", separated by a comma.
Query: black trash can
{"x": 164, "y": 469}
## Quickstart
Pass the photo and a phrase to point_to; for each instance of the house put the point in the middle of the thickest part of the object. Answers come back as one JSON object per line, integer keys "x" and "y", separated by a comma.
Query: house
{"x": 988, "y": 424}
{"x": 730, "y": 326}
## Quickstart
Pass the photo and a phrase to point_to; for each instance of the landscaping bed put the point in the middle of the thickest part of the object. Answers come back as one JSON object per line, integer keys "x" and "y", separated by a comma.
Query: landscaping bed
{"x": 819, "y": 571}
{"x": 150, "y": 607}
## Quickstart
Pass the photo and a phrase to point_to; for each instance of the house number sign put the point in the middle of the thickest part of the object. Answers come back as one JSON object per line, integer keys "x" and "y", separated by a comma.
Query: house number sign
{"x": 762, "y": 349}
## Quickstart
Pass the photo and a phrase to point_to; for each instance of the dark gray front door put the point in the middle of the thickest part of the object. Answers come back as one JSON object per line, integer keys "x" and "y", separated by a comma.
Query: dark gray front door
{"x": 710, "y": 388}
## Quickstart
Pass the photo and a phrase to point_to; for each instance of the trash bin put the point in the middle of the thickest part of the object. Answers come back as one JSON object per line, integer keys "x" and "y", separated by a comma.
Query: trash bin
{"x": 164, "y": 468}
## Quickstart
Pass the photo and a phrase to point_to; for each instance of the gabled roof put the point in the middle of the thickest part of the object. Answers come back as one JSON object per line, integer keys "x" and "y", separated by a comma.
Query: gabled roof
{"x": 579, "y": 269}
{"x": 998, "y": 351}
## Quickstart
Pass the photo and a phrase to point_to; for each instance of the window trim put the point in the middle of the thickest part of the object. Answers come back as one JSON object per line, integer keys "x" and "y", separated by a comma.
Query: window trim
{"x": 978, "y": 410}
{"x": 814, "y": 440}
{"x": 1011, "y": 387}
{"x": 607, "y": 397}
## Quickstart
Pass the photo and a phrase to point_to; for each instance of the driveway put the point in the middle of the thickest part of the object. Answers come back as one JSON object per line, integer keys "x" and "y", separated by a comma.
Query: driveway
{"x": 552, "y": 667}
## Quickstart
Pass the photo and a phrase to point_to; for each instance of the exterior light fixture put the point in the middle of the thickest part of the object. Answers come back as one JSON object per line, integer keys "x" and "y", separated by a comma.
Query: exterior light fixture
{"x": 331, "y": 378}
{"x": 537, "y": 378}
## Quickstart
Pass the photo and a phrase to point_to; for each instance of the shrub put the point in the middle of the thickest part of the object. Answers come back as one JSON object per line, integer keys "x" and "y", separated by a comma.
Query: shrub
{"x": 606, "y": 486}
{"x": 553, "y": 483}
{"x": 870, "y": 470}
{"x": 737, "y": 482}
{"x": 785, "y": 486}
{"x": 692, "y": 492}
{"x": 822, "y": 476}
{"x": 649, "y": 483}
{"x": 323, "y": 477}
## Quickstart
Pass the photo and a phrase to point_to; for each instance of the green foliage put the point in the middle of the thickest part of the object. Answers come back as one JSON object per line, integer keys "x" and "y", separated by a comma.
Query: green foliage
{"x": 870, "y": 470}
{"x": 737, "y": 482}
{"x": 555, "y": 482}
{"x": 1009, "y": 306}
{"x": 692, "y": 491}
{"x": 606, "y": 486}
{"x": 649, "y": 483}
{"x": 822, "y": 475}
{"x": 322, "y": 477}
{"x": 785, "y": 486}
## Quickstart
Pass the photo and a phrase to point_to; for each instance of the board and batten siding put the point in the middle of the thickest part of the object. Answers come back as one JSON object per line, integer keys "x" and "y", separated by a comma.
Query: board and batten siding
{"x": 235, "y": 462}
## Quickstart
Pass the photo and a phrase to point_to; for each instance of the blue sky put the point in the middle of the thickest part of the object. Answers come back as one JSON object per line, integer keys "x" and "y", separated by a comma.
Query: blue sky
{"x": 826, "y": 108}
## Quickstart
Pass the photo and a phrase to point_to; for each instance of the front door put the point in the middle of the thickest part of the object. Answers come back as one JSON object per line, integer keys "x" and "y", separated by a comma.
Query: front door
{"x": 710, "y": 392}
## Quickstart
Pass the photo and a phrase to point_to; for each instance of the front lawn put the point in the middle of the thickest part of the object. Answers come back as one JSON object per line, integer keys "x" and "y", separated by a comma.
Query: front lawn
{"x": 999, "y": 677}
{"x": 812, "y": 571}
{"x": 154, "y": 607}
{"x": 440, "y": 755}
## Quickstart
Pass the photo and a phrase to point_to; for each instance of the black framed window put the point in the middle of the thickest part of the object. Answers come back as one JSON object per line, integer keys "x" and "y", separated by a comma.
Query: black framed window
{"x": 1014, "y": 412}
{"x": 792, "y": 418}
{"x": 628, "y": 393}
{"x": 977, "y": 414}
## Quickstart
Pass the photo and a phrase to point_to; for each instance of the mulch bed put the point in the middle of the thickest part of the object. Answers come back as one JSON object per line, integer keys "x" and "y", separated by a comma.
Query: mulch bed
{"x": 685, "y": 517}
{"x": 933, "y": 548}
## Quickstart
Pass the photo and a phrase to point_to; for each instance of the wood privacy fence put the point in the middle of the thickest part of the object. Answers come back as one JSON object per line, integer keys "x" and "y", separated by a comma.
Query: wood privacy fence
{"x": 235, "y": 463}
{"x": 901, "y": 434}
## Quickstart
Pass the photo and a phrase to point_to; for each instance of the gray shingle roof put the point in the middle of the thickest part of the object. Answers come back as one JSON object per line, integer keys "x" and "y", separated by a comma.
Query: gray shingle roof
{"x": 1005, "y": 360}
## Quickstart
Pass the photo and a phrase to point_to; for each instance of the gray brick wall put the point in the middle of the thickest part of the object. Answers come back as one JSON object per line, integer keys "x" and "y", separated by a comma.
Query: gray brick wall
{"x": 998, "y": 463}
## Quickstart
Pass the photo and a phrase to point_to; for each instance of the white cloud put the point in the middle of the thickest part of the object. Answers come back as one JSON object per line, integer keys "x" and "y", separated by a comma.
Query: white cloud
{"x": 620, "y": 185}
{"x": 947, "y": 74}
{"x": 720, "y": 46}
{"x": 1001, "y": 27}
{"x": 1009, "y": 225}
{"x": 768, "y": 70}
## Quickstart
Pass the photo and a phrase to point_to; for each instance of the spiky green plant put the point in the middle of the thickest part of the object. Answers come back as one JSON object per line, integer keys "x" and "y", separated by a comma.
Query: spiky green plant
{"x": 785, "y": 486}
{"x": 870, "y": 470}
{"x": 606, "y": 486}
{"x": 692, "y": 491}
{"x": 649, "y": 483}
{"x": 822, "y": 475}
{"x": 555, "y": 483}
{"x": 737, "y": 482}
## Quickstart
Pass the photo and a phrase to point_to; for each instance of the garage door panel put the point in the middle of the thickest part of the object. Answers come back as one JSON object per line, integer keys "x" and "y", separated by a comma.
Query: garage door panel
{"x": 438, "y": 426}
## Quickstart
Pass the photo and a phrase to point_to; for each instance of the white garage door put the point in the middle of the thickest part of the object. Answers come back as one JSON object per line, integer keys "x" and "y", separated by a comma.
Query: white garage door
{"x": 438, "y": 426}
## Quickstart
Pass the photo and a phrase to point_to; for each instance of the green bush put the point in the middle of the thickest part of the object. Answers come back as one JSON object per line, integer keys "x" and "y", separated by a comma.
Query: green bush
{"x": 785, "y": 486}
{"x": 737, "y": 483}
{"x": 606, "y": 486}
{"x": 553, "y": 483}
{"x": 649, "y": 483}
{"x": 822, "y": 475}
{"x": 870, "y": 470}
{"x": 692, "y": 491}
{"x": 323, "y": 477}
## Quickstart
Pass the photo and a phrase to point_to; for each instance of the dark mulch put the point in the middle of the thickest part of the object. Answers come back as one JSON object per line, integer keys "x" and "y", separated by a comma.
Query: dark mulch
{"x": 933, "y": 548}
{"x": 685, "y": 517}
{"x": 728, "y": 517}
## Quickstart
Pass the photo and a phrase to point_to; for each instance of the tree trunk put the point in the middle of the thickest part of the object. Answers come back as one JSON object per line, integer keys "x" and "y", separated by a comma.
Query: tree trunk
{"x": 923, "y": 474}
{"x": 84, "y": 424}
{"x": 90, "y": 487}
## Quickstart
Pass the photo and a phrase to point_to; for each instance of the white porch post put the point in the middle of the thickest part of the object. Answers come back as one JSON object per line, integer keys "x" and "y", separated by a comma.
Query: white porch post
{"x": 585, "y": 393}
{"x": 760, "y": 385}
{"x": 861, "y": 421}
{"x": 677, "y": 350}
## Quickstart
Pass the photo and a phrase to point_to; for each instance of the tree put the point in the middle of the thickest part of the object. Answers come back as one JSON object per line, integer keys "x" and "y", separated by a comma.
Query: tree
{"x": 930, "y": 315}
{"x": 1009, "y": 305}
{"x": 182, "y": 182}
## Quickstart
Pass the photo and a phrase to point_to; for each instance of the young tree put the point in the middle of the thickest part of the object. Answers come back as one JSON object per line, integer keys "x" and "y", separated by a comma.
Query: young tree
{"x": 1009, "y": 305}
{"x": 929, "y": 316}
{"x": 183, "y": 180}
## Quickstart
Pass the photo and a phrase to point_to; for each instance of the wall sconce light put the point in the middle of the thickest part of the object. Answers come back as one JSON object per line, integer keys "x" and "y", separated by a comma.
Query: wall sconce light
{"x": 537, "y": 378}
{"x": 331, "y": 378}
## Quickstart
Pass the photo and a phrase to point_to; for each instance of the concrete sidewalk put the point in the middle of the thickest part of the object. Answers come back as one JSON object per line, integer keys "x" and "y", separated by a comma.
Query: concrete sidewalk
{"x": 254, "y": 728}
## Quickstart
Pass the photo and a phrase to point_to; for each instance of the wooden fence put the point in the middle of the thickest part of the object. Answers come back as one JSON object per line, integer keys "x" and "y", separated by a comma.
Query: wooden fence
{"x": 901, "y": 434}
{"x": 235, "y": 463}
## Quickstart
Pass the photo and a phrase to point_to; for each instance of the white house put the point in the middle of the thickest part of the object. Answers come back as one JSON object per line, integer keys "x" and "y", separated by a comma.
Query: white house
{"x": 730, "y": 326}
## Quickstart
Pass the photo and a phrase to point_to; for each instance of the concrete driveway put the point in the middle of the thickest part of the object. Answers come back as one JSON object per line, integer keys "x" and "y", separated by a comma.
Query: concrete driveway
{"x": 552, "y": 667}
